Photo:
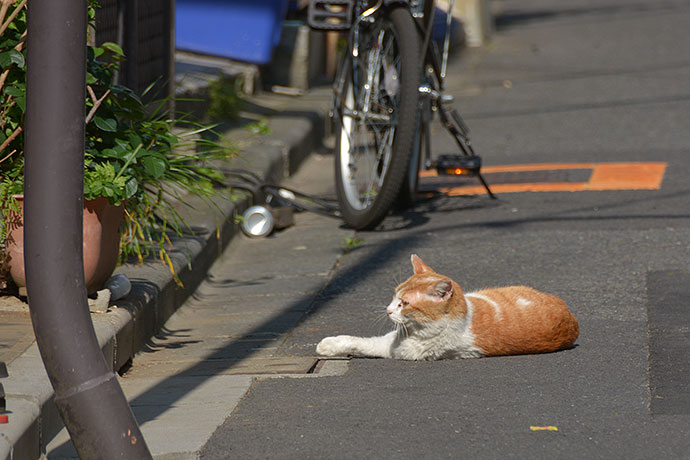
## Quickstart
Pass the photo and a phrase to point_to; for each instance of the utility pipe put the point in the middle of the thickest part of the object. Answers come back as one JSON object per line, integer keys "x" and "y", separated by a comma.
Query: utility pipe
{"x": 87, "y": 394}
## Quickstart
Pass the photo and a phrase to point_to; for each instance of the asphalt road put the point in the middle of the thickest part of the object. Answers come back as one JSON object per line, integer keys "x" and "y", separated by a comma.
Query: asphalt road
{"x": 571, "y": 81}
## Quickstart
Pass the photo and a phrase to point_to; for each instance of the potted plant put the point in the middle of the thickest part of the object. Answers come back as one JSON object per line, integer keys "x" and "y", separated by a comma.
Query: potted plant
{"x": 137, "y": 161}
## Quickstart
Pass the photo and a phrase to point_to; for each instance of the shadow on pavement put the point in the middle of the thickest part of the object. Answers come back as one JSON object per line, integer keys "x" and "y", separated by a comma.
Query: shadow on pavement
{"x": 385, "y": 252}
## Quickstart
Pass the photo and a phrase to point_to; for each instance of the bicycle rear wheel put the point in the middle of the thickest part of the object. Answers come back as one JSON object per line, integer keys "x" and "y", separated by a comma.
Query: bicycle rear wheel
{"x": 377, "y": 118}
{"x": 408, "y": 190}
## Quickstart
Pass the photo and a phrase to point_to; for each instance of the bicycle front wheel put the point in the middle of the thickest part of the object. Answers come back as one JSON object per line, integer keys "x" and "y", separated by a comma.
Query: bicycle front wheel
{"x": 377, "y": 118}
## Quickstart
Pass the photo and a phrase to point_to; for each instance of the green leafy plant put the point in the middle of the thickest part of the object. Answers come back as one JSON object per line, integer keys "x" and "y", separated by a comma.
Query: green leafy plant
{"x": 225, "y": 101}
{"x": 351, "y": 243}
{"x": 12, "y": 106}
{"x": 259, "y": 127}
{"x": 135, "y": 154}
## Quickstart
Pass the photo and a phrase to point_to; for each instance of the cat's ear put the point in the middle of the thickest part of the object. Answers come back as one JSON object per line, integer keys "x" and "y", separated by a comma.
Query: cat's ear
{"x": 443, "y": 289}
{"x": 418, "y": 265}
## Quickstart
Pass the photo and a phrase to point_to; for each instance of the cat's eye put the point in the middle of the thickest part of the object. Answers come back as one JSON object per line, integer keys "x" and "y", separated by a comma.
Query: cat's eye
{"x": 404, "y": 303}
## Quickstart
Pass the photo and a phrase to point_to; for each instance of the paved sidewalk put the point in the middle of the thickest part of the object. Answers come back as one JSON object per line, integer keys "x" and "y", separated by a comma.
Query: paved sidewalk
{"x": 16, "y": 332}
{"x": 295, "y": 126}
{"x": 189, "y": 377}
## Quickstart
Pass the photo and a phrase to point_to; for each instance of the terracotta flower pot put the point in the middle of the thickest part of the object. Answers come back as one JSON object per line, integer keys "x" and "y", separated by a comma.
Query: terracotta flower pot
{"x": 101, "y": 244}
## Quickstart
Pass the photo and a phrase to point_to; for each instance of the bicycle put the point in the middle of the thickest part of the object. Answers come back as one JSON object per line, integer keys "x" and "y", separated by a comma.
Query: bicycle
{"x": 388, "y": 85}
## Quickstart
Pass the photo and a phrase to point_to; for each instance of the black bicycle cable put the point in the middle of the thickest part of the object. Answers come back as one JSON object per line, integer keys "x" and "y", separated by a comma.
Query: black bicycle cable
{"x": 278, "y": 195}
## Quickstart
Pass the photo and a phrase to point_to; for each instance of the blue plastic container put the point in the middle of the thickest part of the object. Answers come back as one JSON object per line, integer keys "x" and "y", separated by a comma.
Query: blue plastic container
{"x": 243, "y": 30}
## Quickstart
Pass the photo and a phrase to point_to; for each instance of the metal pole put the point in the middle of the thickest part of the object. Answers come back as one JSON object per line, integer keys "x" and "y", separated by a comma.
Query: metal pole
{"x": 87, "y": 393}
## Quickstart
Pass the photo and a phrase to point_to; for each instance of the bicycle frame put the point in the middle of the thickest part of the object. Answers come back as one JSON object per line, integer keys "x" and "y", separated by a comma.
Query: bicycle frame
{"x": 358, "y": 107}
{"x": 423, "y": 12}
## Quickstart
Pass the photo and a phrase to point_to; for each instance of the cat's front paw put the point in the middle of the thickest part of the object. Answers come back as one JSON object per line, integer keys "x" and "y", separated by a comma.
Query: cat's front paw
{"x": 334, "y": 346}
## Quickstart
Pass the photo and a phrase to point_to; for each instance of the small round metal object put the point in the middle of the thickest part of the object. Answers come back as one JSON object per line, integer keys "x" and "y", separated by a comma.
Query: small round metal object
{"x": 257, "y": 221}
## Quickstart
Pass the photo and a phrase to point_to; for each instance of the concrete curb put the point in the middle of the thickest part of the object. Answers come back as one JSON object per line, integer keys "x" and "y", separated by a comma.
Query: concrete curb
{"x": 155, "y": 296}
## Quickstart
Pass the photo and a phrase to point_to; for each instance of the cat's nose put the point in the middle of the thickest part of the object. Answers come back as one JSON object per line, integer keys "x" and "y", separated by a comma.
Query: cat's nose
{"x": 389, "y": 310}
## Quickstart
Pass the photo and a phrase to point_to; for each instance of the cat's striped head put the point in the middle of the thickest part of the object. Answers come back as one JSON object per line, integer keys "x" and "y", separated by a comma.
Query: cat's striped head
{"x": 426, "y": 297}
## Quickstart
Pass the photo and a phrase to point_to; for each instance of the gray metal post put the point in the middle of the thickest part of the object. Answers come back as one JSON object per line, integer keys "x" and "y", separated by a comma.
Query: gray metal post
{"x": 87, "y": 393}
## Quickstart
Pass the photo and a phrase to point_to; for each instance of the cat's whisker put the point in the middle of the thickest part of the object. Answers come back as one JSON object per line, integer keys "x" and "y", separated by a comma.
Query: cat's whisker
{"x": 397, "y": 279}
{"x": 382, "y": 311}
{"x": 381, "y": 321}
{"x": 401, "y": 330}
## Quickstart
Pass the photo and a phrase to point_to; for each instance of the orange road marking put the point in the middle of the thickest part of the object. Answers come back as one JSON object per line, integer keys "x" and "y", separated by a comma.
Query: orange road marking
{"x": 627, "y": 176}
{"x": 520, "y": 168}
{"x": 605, "y": 176}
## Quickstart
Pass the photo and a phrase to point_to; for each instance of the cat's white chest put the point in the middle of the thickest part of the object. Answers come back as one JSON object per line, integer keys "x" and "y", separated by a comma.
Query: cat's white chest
{"x": 452, "y": 340}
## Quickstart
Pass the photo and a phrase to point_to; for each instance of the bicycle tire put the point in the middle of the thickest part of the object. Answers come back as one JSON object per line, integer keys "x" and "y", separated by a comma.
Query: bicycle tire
{"x": 394, "y": 89}
{"x": 408, "y": 189}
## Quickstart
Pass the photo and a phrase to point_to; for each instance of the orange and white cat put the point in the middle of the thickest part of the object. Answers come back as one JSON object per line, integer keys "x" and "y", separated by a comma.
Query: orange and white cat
{"x": 435, "y": 320}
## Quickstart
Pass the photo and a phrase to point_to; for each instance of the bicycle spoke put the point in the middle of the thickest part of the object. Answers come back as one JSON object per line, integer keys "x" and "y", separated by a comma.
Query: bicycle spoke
{"x": 384, "y": 154}
{"x": 369, "y": 114}
{"x": 366, "y": 190}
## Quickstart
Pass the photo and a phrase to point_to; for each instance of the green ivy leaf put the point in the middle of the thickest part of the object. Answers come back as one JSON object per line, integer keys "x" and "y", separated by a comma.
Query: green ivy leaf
{"x": 131, "y": 187}
{"x": 123, "y": 145}
{"x": 5, "y": 60}
{"x": 134, "y": 139}
{"x": 106, "y": 124}
{"x": 9, "y": 43}
{"x": 154, "y": 166}
{"x": 18, "y": 58}
{"x": 111, "y": 153}
{"x": 21, "y": 102}
{"x": 10, "y": 57}
{"x": 14, "y": 91}
{"x": 113, "y": 47}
